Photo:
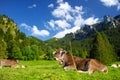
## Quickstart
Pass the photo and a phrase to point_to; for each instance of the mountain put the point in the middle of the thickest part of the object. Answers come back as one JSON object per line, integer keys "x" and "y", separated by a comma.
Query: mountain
{"x": 82, "y": 40}
{"x": 16, "y": 45}
{"x": 89, "y": 30}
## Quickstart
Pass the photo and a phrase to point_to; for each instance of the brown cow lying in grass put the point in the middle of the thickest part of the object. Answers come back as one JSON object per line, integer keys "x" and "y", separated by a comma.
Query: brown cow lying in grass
{"x": 73, "y": 62}
{"x": 8, "y": 63}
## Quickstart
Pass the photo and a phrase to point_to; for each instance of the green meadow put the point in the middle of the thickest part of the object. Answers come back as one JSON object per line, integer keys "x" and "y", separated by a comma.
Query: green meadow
{"x": 51, "y": 70}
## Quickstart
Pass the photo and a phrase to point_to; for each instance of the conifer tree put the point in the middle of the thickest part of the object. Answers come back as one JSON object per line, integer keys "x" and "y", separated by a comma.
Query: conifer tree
{"x": 110, "y": 51}
{"x": 102, "y": 49}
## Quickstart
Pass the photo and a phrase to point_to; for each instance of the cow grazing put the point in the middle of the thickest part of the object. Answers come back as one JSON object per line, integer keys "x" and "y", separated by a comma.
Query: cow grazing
{"x": 8, "y": 63}
{"x": 81, "y": 64}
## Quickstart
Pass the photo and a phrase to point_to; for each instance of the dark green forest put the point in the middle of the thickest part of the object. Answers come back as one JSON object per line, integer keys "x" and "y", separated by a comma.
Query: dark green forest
{"x": 103, "y": 45}
{"x": 16, "y": 45}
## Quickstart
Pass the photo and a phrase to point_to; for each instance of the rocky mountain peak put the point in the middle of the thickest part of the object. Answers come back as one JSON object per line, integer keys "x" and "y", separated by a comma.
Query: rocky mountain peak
{"x": 117, "y": 17}
{"x": 88, "y": 30}
{"x": 108, "y": 20}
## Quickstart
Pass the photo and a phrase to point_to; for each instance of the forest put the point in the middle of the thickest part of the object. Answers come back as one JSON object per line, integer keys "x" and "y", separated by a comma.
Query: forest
{"x": 103, "y": 45}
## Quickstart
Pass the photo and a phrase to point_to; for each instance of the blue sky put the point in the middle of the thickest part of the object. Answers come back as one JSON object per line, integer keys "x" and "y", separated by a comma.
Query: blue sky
{"x": 46, "y": 19}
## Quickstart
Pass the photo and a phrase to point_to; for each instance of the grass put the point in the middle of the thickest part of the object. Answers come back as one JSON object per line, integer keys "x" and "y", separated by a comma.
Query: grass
{"x": 51, "y": 70}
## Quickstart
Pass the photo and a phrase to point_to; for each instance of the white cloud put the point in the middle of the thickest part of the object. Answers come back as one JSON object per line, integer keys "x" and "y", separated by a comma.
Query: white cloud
{"x": 61, "y": 34}
{"x": 110, "y": 3}
{"x": 34, "y": 31}
{"x": 62, "y": 24}
{"x": 25, "y": 26}
{"x": 63, "y": 11}
{"x": 59, "y": 24}
{"x": 78, "y": 10}
{"x": 59, "y": 1}
{"x": 51, "y": 5}
{"x": 91, "y": 21}
{"x": 78, "y": 21}
{"x": 37, "y": 32}
{"x": 66, "y": 31}
{"x": 68, "y": 19}
{"x": 51, "y": 23}
{"x": 32, "y": 6}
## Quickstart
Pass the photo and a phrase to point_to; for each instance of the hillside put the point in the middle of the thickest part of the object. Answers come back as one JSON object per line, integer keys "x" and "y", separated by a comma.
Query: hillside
{"x": 82, "y": 39}
{"x": 16, "y": 45}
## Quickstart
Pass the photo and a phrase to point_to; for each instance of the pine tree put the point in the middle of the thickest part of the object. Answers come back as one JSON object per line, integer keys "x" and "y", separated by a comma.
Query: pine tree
{"x": 102, "y": 49}
{"x": 110, "y": 51}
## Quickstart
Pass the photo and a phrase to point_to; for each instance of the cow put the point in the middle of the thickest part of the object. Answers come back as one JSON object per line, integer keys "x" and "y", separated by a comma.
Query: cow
{"x": 8, "y": 63}
{"x": 81, "y": 64}
{"x": 115, "y": 65}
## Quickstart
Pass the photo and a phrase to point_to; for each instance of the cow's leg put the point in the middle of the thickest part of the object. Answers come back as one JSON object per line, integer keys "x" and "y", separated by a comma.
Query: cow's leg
{"x": 0, "y": 67}
{"x": 90, "y": 71}
{"x": 12, "y": 66}
{"x": 83, "y": 71}
{"x": 69, "y": 67}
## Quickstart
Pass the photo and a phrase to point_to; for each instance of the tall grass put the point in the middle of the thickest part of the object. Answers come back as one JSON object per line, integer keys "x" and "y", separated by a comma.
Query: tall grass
{"x": 51, "y": 70}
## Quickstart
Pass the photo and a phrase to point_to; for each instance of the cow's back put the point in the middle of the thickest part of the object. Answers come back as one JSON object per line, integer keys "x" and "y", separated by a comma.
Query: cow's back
{"x": 8, "y": 63}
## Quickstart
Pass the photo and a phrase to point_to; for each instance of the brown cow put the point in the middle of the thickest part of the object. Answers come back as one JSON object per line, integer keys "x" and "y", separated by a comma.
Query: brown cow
{"x": 8, "y": 63}
{"x": 73, "y": 62}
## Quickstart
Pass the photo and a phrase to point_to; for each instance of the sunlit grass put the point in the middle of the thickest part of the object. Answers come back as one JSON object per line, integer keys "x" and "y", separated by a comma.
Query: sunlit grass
{"x": 51, "y": 70}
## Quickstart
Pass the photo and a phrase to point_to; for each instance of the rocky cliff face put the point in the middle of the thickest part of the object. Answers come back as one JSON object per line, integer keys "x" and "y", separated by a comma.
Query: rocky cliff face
{"x": 117, "y": 17}
{"x": 88, "y": 30}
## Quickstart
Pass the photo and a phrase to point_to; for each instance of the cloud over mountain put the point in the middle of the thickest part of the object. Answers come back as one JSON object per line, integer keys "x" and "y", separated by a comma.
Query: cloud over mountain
{"x": 68, "y": 19}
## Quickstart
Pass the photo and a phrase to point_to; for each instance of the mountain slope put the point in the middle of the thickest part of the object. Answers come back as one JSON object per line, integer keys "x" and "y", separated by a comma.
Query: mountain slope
{"x": 15, "y": 45}
{"x": 82, "y": 39}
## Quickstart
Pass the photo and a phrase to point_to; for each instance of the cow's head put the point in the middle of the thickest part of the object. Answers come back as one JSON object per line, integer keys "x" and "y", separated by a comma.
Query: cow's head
{"x": 59, "y": 55}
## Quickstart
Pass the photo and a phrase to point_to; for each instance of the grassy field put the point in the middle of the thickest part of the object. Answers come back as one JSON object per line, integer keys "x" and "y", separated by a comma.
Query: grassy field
{"x": 51, "y": 70}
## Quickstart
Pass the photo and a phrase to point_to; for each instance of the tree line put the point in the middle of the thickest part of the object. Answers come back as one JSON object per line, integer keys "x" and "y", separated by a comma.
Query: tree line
{"x": 16, "y": 45}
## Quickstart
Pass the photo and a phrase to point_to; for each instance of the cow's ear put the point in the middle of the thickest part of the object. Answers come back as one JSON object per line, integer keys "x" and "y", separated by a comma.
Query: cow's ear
{"x": 17, "y": 61}
{"x": 62, "y": 54}
{"x": 64, "y": 51}
{"x": 54, "y": 52}
{"x": 60, "y": 49}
